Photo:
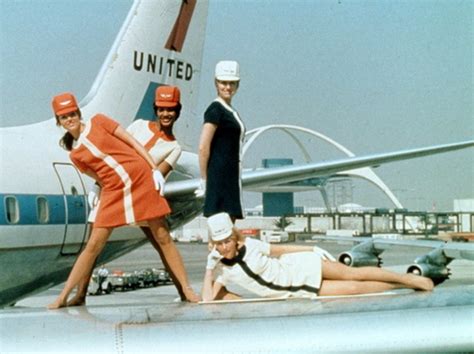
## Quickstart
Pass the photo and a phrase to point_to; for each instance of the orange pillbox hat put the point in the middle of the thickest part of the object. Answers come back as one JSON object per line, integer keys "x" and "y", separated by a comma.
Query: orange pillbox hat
{"x": 167, "y": 96}
{"x": 64, "y": 103}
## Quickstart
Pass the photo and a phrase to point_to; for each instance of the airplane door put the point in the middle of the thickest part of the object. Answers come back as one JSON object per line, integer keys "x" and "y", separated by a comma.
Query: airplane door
{"x": 75, "y": 208}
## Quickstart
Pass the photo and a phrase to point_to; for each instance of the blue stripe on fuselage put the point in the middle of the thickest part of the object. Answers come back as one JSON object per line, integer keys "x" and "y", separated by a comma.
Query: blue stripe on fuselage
{"x": 28, "y": 209}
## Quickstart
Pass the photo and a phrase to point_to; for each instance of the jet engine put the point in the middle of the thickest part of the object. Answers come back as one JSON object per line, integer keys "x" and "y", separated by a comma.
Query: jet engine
{"x": 364, "y": 254}
{"x": 432, "y": 265}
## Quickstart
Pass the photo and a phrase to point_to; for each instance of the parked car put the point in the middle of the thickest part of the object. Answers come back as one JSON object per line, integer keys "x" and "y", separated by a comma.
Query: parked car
{"x": 274, "y": 236}
{"x": 123, "y": 281}
{"x": 133, "y": 281}
{"x": 162, "y": 276}
{"x": 146, "y": 278}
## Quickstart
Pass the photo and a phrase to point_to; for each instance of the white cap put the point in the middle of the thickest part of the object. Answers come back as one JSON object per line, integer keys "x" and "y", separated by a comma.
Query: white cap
{"x": 227, "y": 70}
{"x": 220, "y": 226}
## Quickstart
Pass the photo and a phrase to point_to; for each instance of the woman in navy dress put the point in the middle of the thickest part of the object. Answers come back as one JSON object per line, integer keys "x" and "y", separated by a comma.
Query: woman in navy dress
{"x": 220, "y": 147}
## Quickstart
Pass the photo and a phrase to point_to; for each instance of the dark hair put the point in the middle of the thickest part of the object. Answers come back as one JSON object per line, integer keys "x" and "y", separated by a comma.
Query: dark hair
{"x": 177, "y": 109}
{"x": 67, "y": 140}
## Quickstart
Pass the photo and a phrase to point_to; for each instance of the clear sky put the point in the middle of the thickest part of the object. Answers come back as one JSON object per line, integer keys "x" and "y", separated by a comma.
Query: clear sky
{"x": 376, "y": 76}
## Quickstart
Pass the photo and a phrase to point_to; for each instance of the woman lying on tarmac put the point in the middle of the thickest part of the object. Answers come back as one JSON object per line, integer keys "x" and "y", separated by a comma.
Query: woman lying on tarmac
{"x": 283, "y": 271}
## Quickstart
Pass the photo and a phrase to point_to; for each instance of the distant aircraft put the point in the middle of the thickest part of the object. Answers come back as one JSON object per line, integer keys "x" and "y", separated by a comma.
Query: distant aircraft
{"x": 43, "y": 209}
{"x": 433, "y": 264}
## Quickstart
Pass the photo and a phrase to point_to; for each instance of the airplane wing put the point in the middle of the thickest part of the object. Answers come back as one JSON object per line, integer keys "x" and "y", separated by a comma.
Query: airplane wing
{"x": 286, "y": 174}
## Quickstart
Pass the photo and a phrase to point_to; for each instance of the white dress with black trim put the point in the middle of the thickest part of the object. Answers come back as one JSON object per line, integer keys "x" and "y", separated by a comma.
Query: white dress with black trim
{"x": 295, "y": 274}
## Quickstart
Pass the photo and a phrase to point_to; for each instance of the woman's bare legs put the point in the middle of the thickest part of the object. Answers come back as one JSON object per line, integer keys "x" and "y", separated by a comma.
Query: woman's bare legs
{"x": 80, "y": 298}
{"x": 355, "y": 287}
{"x": 161, "y": 234}
{"x": 83, "y": 265}
{"x": 225, "y": 294}
{"x": 178, "y": 270}
{"x": 339, "y": 279}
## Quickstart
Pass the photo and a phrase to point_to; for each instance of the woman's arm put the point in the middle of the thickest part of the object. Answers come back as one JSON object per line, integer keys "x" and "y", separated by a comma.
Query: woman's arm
{"x": 122, "y": 134}
{"x": 92, "y": 175}
{"x": 164, "y": 167}
{"x": 278, "y": 250}
{"x": 167, "y": 164}
{"x": 210, "y": 288}
{"x": 207, "y": 133}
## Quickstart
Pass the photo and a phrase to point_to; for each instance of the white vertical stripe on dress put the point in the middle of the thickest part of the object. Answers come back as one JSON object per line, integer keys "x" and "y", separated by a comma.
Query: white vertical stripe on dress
{"x": 113, "y": 164}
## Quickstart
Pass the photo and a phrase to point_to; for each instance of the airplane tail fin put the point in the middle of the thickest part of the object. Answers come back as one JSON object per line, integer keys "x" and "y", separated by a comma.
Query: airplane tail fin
{"x": 160, "y": 43}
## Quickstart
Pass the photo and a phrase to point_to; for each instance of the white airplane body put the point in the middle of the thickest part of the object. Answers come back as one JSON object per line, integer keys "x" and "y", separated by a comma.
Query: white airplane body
{"x": 43, "y": 214}
{"x": 133, "y": 69}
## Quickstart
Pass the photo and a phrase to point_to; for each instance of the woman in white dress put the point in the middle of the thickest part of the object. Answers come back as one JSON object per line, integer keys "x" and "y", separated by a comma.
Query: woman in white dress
{"x": 288, "y": 270}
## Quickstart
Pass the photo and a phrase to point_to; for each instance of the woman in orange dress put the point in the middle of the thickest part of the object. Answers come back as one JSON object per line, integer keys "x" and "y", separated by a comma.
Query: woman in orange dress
{"x": 103, "y": 150}
{"x": 158, "y": 139}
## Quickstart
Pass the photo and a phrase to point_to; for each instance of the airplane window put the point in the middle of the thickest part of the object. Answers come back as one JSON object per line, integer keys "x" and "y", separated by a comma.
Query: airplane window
{"x": 42, "y": 210}
{"x": 74, "y": 191}
{"x": 11, "y": 207}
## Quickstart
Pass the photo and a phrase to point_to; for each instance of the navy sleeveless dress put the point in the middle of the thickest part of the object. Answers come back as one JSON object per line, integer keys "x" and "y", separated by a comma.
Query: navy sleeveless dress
{"x": 224, "y": 189}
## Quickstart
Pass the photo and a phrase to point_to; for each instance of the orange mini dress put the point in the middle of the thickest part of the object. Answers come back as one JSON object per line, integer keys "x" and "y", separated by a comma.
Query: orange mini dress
{"x": 128, "y": 193}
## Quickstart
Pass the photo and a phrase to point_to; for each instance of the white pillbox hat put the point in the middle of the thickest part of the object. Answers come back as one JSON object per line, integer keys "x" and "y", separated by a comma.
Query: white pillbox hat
{"x": 220, "y": 226}
{"x": 227, "y": 70}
